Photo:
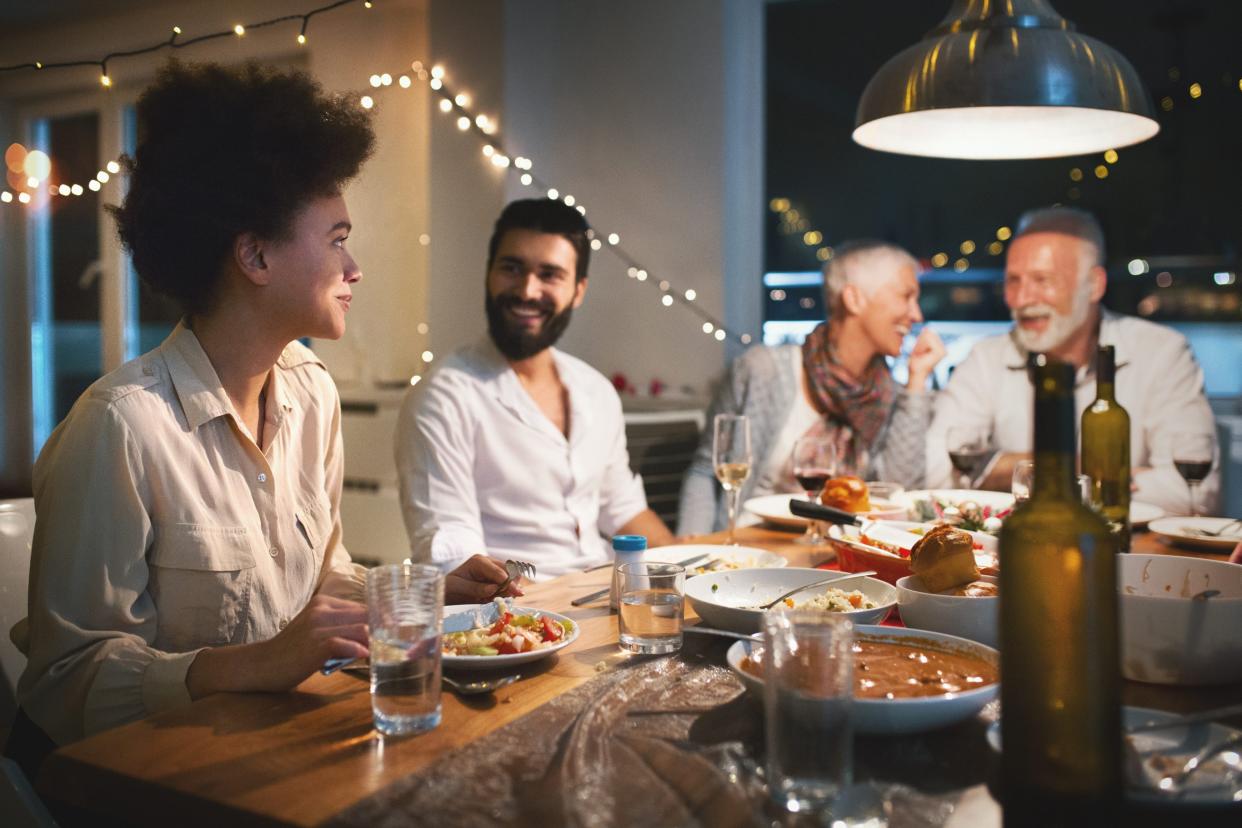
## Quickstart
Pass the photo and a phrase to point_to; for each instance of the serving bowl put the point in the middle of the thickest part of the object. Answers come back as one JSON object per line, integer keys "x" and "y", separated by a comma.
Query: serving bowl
{"x": 1169, "y": 637}
{"x": 975, "y": 618}
{"x": 855, "y": 556}
{"x": 727, "y": 600}
{"x": 905, "y": 715}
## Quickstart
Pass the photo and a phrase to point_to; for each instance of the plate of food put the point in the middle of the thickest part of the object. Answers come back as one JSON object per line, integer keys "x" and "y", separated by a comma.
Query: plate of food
{"x": 1158, "y": 754}
{"x": 719, "y": 557}
{"x": 732, "y": 600}
{"x": 847, "y": 493}
{"x": 1142, "y": 514}
{"x": 1217, "y": 533}
{"x": 499, "y": 634}
{"x": 975, "y": 510}
{"x": 905, "y": 681}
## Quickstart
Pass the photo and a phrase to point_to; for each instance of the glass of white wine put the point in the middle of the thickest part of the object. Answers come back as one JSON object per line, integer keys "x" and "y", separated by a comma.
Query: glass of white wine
{"x": 732, "y": 460}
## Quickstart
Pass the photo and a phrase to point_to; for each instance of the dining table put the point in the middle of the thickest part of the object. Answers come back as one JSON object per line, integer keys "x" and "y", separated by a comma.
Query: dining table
{"x": 684, "y": 739}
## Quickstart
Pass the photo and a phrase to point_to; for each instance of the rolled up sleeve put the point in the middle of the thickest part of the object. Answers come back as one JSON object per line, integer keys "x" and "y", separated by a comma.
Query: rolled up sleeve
{"x": 342, "y": 578}
{"x": 91, "y": 619}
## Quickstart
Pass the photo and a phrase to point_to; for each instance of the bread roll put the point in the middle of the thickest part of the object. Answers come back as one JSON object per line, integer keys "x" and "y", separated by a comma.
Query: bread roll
{"x": 944, "y": 558}
{"x": 847, "y": 493}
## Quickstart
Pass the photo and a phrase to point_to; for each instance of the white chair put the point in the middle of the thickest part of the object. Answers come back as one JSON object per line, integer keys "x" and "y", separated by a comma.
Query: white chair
{"x": 17, "y": 518}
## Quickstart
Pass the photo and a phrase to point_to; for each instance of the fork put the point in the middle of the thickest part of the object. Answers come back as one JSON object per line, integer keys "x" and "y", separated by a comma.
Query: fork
{"x": 516, "y": 569}
{"x": 1215, "y": 533}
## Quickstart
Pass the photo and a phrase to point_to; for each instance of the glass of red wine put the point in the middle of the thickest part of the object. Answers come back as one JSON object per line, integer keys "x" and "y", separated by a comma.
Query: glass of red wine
{"x": 814, "y": 462}
{"x": 1192, "y": 456}
{"x": 970, "y": 448}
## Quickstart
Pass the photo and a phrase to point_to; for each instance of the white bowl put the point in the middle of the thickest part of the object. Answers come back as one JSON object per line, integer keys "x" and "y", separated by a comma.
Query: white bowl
{"x": 722, "y": 598}
{"x": 960, "y": 615}
{"x": 731, "y": 557}
{"x": 900, "y": 715}
{"x": 1167, "y": 638}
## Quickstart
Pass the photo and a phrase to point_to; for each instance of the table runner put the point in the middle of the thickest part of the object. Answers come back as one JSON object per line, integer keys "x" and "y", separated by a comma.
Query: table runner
{"x": 657, "y": 741}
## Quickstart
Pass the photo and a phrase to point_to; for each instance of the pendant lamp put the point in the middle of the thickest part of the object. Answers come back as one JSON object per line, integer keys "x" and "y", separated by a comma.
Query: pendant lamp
{"x": 1008, "y": 79}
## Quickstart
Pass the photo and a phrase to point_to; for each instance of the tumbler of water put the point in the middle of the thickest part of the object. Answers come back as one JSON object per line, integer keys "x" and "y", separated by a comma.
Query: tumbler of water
{"x": 404, "y": 605}
{"x": 808, "y": 695}
{"x": 652, "y": 606}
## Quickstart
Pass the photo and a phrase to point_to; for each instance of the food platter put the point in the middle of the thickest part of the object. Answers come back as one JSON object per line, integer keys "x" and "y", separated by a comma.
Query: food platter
{"x": 719, "y": 557}
{"x": 727, "y": 599}
{"x": 462, "y": 617}
{"x": 901, "y": 715}
{"x": 774, "y": 509}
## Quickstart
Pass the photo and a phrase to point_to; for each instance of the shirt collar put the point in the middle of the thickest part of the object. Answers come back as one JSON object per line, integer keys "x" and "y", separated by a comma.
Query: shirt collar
{"x": 493, "y": 367}
{"x": 1110, "y": 334}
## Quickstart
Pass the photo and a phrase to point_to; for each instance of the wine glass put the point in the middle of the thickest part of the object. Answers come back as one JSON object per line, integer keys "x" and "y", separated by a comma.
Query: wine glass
{"x": 814, "y": 461}
{"x": 731, "y": 458}
{"x": 969, "y": 449}
{"x": 1023, "y": 480}
{"x": 1193, "y": 454}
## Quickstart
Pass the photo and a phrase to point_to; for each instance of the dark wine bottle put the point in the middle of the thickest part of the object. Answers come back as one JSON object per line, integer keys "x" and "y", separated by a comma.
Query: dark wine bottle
{"x": 1106, "y": 449}
{"x": 1061, "y": 758}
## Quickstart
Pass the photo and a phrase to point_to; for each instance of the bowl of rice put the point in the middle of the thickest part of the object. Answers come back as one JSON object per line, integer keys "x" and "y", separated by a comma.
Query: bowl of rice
{"x": 731, "y": 600}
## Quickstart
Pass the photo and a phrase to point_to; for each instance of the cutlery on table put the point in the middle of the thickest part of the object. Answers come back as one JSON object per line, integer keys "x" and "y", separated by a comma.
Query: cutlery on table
{"x": 1189, "y": 719}
{"x": 1211, "y": 533}
{"x": 1176, "y": 781}
{"x": 515, "y": 569}
{"x": 474, "y": 688}
{"x": 838, "y": 577}
{"x": 723, "y": 633}
{"x": 333, "y": 664}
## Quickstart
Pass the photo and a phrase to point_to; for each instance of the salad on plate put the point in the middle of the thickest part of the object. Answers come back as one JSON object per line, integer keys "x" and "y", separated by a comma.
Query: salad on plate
{"x": 510, "y": 634}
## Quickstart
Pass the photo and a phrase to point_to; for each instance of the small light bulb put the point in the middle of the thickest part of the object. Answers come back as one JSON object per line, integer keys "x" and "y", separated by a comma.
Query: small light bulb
{"x": 581, "y": 210}
{"x": 386, "y": 79}
{"x": 501, "y": 160}
{"x": 488, "y": 149}
{"x": 462, "y": 99}
{"x": 424, "y": 239}
{"x": 720, "y": 335}
{"x": 745, "y": 339}
{"x": 6, "y": 197}
{"x": 641, "y": 275}
{"x": 596, "y": 244}
{"x": 428, "y": 356}
{"x": 94, "y": 185}
{"x": 481, "y": 122}
{"x": 76, "y": 189}
{"x": 32, "y": 182}
{"x": 437, "y": 72}
{"x": 613, "y": 238}
{"x": 64, "y": 189}
{"x": 367, "y": 102}
{"x": 176, "y": 30}
{"x": 114, "y": 167}
{"x": 664, "y": 285}
{"x": 691, "y": 295}
{"x": 416, "y": 66}
{"x": 104, "y": 80}
{"x": 102, "y": 176}
{"x": 301, "y": 39}
{"x": 376, "y": 80}
{"x": 435, "y": 83}
{"x": 446, "y": 105}
{"x": 414, "y": 380}
{"x": 367, "y": 4}
{"x": 666, "y": 300}
{"x": 553, "y": 193}
{"x": 631, "y": 272}
{"x": 24, "y": 198}
{"x": 423, "y": 328}
{"x": 463, "y": 123}
{"x": 569, "y": 200}
{"x": 708, "y": 327}
{"x": 405, "y": 81}
{"x": 239, "y": 30}
{"x": 526, "y": 179}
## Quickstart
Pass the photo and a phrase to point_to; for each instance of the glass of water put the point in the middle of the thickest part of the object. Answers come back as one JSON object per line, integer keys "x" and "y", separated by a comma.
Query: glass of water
{"x": 808, "y": 693}
{"x": 652, "y": 604}
{"x": 404, "y": 605}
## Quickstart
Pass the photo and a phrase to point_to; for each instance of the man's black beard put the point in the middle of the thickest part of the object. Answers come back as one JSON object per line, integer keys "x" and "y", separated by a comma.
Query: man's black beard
{"x": 516, "y": 344}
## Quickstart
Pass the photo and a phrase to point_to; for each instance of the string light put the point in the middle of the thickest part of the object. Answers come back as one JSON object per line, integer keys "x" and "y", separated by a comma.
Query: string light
{"x": 239, "y": 30}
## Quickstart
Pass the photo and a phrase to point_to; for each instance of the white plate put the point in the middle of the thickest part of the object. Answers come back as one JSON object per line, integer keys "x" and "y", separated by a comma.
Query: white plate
{"x": 997, "y": 500}
{"x": 775, "y": 510}
{"x": 1142, "y": 514}
{"x": 1180, "y": 529}
{"x": 915, "y": 715}
{"x": 720, "y": 598}
{"x": 462, "y": 617}
{"x": 731, "y": 557}
{"x": 1182, "y": 742}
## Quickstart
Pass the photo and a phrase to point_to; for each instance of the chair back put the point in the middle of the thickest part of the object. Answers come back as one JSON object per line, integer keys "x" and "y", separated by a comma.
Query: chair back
{"x": 17, "y": 519}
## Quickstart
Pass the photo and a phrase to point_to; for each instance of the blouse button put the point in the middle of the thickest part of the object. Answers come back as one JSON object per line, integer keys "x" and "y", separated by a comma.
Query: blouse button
{"x": 273, "y": 551}
{"x": 262, "y": 477}
{"x": 283, "y": 623}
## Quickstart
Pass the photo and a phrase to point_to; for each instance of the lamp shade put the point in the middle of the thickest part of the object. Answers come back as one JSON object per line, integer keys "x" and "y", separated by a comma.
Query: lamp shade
{"x": 1008, "y": 79}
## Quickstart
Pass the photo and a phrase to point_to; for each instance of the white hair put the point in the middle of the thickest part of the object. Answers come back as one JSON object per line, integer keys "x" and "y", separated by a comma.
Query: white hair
{"x": 866, "y": 264}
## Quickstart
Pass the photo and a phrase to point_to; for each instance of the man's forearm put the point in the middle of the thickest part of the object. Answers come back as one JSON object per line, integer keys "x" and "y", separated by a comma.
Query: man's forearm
{"x": 648, "y": 524}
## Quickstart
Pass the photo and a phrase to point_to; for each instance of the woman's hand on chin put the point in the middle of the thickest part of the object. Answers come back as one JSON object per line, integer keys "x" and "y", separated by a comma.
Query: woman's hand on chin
{"x": 927, "y": 353}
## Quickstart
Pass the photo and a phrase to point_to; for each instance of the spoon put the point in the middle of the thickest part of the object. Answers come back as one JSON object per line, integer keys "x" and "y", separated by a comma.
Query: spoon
{"x": 474, "y": 688}
{"x": 803, "y": 588}
{"x": 1176, "y": 781}
{"x": 722, "y": 633}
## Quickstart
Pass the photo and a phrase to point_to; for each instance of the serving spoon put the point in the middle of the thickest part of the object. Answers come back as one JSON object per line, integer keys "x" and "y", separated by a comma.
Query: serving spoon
{"x": 813, "y": 584}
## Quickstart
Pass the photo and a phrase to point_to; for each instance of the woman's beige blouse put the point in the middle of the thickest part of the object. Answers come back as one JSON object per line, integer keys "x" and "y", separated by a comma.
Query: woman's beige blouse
{"x": 163, "y": 529}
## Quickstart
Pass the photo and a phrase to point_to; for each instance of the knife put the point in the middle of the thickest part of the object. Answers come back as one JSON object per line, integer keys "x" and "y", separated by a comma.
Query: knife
{"x": 817, "y": 511}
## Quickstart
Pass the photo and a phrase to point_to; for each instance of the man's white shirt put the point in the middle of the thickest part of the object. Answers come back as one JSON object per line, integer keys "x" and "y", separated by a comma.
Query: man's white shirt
{"x": 1158, "y": 382}
{"x": 483, "y": 470}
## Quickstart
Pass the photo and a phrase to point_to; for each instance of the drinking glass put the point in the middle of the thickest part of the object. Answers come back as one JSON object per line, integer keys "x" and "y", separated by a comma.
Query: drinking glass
{"x": 1193, "y": 454}
{"x": 653, "y": 599}
{"x": 969, "y": 449}
{"x": 814, "y": 462}
{"x": 1023, "y": 480}
{"x": 808, "y": 692}
{"x": 731, "y": 459}
{"x": 404, "y": 606}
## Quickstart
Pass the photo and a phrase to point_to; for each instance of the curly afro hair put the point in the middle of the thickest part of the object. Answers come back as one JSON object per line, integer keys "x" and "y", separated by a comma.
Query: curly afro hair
{"x": 224, "y": 151}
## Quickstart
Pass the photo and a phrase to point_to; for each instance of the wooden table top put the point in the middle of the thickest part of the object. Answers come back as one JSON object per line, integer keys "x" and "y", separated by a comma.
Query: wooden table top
{"x": 298, "y": 758}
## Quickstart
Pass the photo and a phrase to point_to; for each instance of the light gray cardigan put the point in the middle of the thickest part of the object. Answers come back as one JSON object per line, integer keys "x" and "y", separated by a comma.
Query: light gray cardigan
{"x": 763, "y": 385}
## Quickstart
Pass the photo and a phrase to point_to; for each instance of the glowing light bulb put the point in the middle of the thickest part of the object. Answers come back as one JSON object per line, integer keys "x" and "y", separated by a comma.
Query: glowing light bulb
{"x": 1003, "y": 233}
{"x": 481, "y": 121}
{"x": 102, "y": 176}
{"x": 967, "y": 247}
{"x": 596, "y": 244}
{"x": 1110, "y": 156}
{"x": 6, "y": 197}
{"x": 414, "y": 380}
{"x": 581, "y": 210}
{"x": 239, "y": 30}
{"x": 424, "y": 239}
{"x": 463, "y": 123}
{"x": 367, "y": 102}
{"x": 691, "y": 295}
{"x": 1101, "y": 171}
{"x": 446, "y": 105}
{"x": 526, "y": 179}
{"x": 745, "y": 339}
{"x": 76, "y": 189}
{"x": 113, "y": 167}
{"x": 488, "y": 149}
{"x": 428, "y": 356}
{"x": 435, "y": 83}
{"x": 666, "y": 300}
{"x": 376, "y": 80}
{"x": 94, "y": 185}
{"x": 24, "y": 198}
{"x": 176, "y": 30}
{"x": 32, "y": 182}
{"x": 462, "y": 99}
{"x": 64, "y": 189}
{"x": 423, "y": 328}
{"x": 613, "y": 238}
{"x": 708, "y": 327}
{"x": 301, "y": 39}
{"x": 720, "y": 335}
{"x": 404, "y": 81}
{"x": 553, "y": 193}
{"x": 641, "y": 275}
{"x": 386, "y": 79}
{"x": 569, "y": 200}
{"x": 437, "y": 72}
{"x": 664, "y": 285}
{"x": 104, "y": 80}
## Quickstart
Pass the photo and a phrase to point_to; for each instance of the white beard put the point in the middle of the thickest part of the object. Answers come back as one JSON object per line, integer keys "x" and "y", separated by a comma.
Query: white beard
{"x": 1060, "y": 325}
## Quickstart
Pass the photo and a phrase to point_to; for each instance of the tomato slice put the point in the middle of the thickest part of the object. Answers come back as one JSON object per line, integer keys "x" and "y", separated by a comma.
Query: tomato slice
{"x": 500, "y": 624}
{"x": 550, "y": 631}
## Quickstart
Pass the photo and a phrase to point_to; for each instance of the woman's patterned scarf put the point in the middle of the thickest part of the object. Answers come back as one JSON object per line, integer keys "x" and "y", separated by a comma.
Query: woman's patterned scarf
{"x": 854, "y": 412}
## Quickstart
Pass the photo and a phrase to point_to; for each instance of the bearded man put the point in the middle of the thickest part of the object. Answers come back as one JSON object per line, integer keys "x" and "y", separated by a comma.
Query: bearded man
{"x": 1054, "y": 281}
{"x": 511, "y": 447}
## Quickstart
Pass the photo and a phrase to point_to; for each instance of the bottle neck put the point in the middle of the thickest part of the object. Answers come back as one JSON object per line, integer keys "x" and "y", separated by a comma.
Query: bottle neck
{"x": 1105, "y": 390}
{"x": 1055, "y": 448}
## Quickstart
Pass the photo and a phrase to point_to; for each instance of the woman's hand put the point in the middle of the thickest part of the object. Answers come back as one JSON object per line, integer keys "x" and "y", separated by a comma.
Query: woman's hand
{"x": 928, "y": 351}
{"x": 1236, "y": 555}
{"x": 326, "y": 628}
{"x": 475, "y": 582}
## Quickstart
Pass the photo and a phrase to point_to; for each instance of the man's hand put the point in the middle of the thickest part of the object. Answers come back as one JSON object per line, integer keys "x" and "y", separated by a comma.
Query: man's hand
{"x": 475, "y": 582}
{"x": 928, "y": 351}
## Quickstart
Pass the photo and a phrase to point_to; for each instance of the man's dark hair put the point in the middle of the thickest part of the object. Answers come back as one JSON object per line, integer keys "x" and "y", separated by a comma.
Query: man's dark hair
{"x": 544, "y": 215}
{"x": 1068, "y": 221}
{"x": 224, "y": 151}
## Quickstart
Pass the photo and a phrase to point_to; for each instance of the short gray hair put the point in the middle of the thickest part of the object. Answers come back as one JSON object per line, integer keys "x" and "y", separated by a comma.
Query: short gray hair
{"x": 854, "y": 261}
{"x": 1068, "y": 221}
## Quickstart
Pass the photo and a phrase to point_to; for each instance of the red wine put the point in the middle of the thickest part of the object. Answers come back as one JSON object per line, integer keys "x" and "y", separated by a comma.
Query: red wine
{"x": 812, "y": 482}
{"x": 967, "y": 462}
{"x": 1193, "y": 471}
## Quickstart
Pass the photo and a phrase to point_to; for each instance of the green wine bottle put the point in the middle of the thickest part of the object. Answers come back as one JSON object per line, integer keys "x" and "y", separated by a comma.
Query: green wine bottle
{"x": 1061, "y": 758}
{"x": 1106, "y": 449}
